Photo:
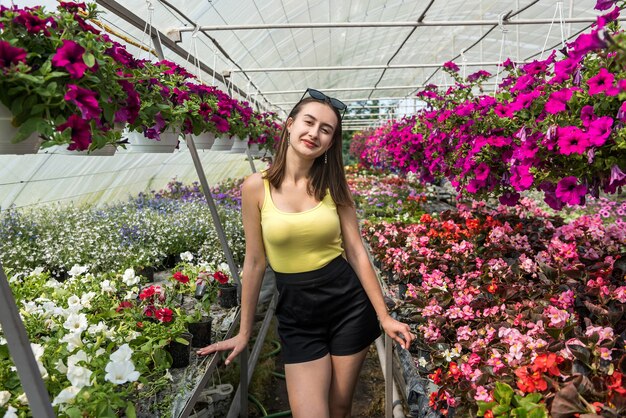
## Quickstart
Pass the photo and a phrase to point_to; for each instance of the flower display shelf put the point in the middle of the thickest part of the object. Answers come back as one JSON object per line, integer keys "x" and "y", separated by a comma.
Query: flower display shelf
{"x": 223, "y": 144}
{"x": 139, "y": 143}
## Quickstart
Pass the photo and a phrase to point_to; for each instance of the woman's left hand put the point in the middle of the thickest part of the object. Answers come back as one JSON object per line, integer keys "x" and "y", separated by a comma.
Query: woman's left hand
{"x": 398, "y": 331}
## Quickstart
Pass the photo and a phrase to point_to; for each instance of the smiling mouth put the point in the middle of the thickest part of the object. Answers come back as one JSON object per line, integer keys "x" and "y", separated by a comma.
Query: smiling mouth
{"x": 312, "y": 144}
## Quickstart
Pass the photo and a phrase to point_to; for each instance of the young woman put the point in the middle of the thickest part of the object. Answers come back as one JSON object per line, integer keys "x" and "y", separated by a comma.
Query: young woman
{"x": 299, "y": 213}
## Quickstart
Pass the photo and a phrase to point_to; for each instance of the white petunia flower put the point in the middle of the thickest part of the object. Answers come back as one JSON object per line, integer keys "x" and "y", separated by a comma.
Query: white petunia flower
{"x": 66, "y": 395}
{"x": 52, "y": 282}
{"x": 37, "y": 271}
{"x": 124, "y": 353}
{"x": 130, "y": 295}
{"x": 5, "y": 395}
{"x": 23, "y": 399}
{"x": 78, "y": 375}
{"x": 77, "y": 270}
{"x": 38, "y": 352}
{"x": 60, "y": 366}
{"x": 31, "y": 308}
{"x": 186, "y": 256}
{"x": 75, "y": 358}
{"x": 76, "y": 322}
{"x": 73, "y": 340}
{"x": 97, "y": 329}
{"x": 10, "y": 413}
{"x": 85, "y": 300}
{"x": 129, "y": 277}
{"x": 121, "y": 372}
{"x": 108, "y": 287}
{"x": 131, "y": 336}
{"x": 3, "y": 341}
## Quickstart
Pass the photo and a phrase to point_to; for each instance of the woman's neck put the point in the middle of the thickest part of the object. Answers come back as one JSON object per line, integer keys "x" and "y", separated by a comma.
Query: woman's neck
{"x": 296, "y": 169}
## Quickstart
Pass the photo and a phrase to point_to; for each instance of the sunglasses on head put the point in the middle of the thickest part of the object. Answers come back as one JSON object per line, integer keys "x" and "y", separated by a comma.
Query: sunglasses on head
{"x": 318, "y": 95}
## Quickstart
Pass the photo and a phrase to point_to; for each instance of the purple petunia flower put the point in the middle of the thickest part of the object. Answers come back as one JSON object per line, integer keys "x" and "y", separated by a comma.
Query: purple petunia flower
{"x": 33, "y": 24}
{"x": 509, "y": 198}
{"x": 549, "y": 195}
{"x": 557, "y": 101}
{"x": 585, "y": 43}
{"x": 10, "y": 55}
{"x": 451, "y": 66}
{"x": 600, "y": 82}
{"x": 572, "y": 140}
{"x": 525, "y": 100}
{"x": 600, "y": 130}
{"x": 130, "y": 112}
{"x": 478, "y": 74}
{"x": 86, "y": 101}
{"x": 70, "y": 57}
{"x": 587, "y": 115}
{"x": 604, "y": 4}
{"x": 154, "y": 132}
{"x": 482, "y": 171}
{"x": 621, "y": 113}
{"x": 81, "y": 132}
{"x": 221, "y": 124}
{"x": 602, "y": 21}
{"x": 569, "y": 191}
{"x": 521, "y": 178}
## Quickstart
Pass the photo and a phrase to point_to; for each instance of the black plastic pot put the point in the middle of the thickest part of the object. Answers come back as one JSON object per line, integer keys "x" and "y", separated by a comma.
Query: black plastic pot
{"x": 147, "y": 272}
{"x": 201, "y": 332}
{"x": 227, "y": 295}
{"x": 180, "y": 352}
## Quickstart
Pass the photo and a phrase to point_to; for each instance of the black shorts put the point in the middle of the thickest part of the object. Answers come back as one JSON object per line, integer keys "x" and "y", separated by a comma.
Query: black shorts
{"x": 324, "y": 311}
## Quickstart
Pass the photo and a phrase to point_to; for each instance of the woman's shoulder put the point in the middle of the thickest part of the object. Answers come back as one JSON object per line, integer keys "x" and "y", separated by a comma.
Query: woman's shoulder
{"x": 253, "y": 184}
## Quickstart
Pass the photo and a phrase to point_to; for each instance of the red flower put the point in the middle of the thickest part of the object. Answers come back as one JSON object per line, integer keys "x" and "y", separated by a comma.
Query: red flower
{"x": 81, "y": 132}
{"x": 10, "y": 55}
{"x": 32, "y": 23}
{"x": 164, "y": 315}
{"x": 436, "y": 376}
{"x": 488, "y": 414}
{"x": 124, "y": 305}
{"x": 180, "y": 277}
{"x": 454, "y": 371}
{"x": 220, "y": 277}
{"x": 615, "y": 383}
{"x": 547, "y": 363}
{"x": 70, "y": 57}
{"x": 492, "y": 288}
{"x": 530, "y": 382}
{"x": 146, "y": 293}
{"x": 149, "y": 311}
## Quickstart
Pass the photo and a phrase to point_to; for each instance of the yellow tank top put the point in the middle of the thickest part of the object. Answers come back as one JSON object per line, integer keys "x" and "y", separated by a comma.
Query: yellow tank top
{"x": 300, "y": 241}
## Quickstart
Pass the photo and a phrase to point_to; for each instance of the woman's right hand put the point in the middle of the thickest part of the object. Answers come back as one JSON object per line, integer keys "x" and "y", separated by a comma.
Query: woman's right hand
{"x": 236, "y": 344}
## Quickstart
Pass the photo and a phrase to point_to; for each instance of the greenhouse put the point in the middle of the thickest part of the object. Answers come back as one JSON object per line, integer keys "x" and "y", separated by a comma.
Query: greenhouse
{"x": 313, "y": 208}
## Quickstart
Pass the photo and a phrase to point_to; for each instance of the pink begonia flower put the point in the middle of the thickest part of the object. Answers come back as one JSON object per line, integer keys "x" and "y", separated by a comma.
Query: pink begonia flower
{"x": 482, "y": 394}
{"x": 70, "y": 57}
{"x": 601, "y": 82}
{"x": 86, "y": 101}
{"x": 604, "y": 333}
{"x": 557, "y": 101}
{"x": 81, "y": 132}
{"x": 572, "y": 140}
{"x": 558, "y": 317}
{"x": 605, "y": 353}
{"x": 10, "y": 55}
{"x": 600, "y": 130}
{"x": 620, "y": 294}
{"x": 569, "y": 191}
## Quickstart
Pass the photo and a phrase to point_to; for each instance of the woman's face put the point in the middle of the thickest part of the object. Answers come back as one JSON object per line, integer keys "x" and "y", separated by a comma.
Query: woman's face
{"x": 311, "y": 132}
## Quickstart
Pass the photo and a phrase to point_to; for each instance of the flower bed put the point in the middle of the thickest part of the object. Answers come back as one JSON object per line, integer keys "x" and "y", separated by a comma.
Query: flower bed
{"x": 515, "y": 309}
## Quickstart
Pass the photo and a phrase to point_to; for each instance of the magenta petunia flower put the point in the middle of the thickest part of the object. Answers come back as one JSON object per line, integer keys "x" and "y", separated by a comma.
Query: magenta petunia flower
{"x": 477, "y": 75}
{"x": 572, "y": 140}
{"x": 565, "y": 68}
{"x": 621, "y": 113}
{"x": 221, "y": 124}
{"x": 603, "y": 20}
{"x": 33, "y": 24}
{"x": 587, "y": 115}
{"x": 617, "y": 179}
{"x": 504, "y": 110}
{"x": 600, "y": 82}
{"x": 585, "y": 43}
{"x": 509, "y": 198}
{"x": 451, "y": 66}
{"x": 498, "y": 141}
{"x": 81, "y": 132}
{"x": 523, "y": 83}
{"x": 129, "y": 112}
{"x": 70, "y": 57}
{"x": 70, "y": 6}
{"x": 521, "y": 178}
{"x": 569, "y": 191}
{"x": 86, "y": 101}
{"x": 600, "y": 130}
{"x": 154, "y": 132}
{"x": 482, "y": 171}
{"x": 604, "y": 4}
{"x": 550, "y": 195}
{"x": 525, "y": 100}
{"x": 11, "y": 55}
{"x": 557, "y": 102}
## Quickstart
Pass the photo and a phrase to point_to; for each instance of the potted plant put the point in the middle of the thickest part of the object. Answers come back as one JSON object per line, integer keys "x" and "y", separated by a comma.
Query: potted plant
{"x": 226, "y": 288}
{"x": 57, "y": 80}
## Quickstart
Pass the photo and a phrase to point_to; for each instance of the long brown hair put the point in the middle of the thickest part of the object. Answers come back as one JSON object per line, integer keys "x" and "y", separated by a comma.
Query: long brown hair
{"x": 323, "y": 176}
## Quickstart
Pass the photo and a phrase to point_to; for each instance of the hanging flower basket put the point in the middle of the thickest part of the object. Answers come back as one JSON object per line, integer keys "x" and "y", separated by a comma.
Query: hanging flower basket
{"x": 255, "y": 151}
{"x": 139, "y": 143}
{"x": 239, "y": 145}
{"x": 204, "y": 140}
{"x": 222, "y": 144}
{"x": 7, "y": 131}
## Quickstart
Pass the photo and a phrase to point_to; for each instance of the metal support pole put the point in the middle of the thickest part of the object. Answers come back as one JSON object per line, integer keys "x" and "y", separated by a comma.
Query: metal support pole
{"x": 251, "y": 160}
{"x": 216, "y": 218}
{"x": 19, "y": 348}
{"x": 388, "y": 377}
{"x": 241, "y": 410}
{"x": 355, "y": 67}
